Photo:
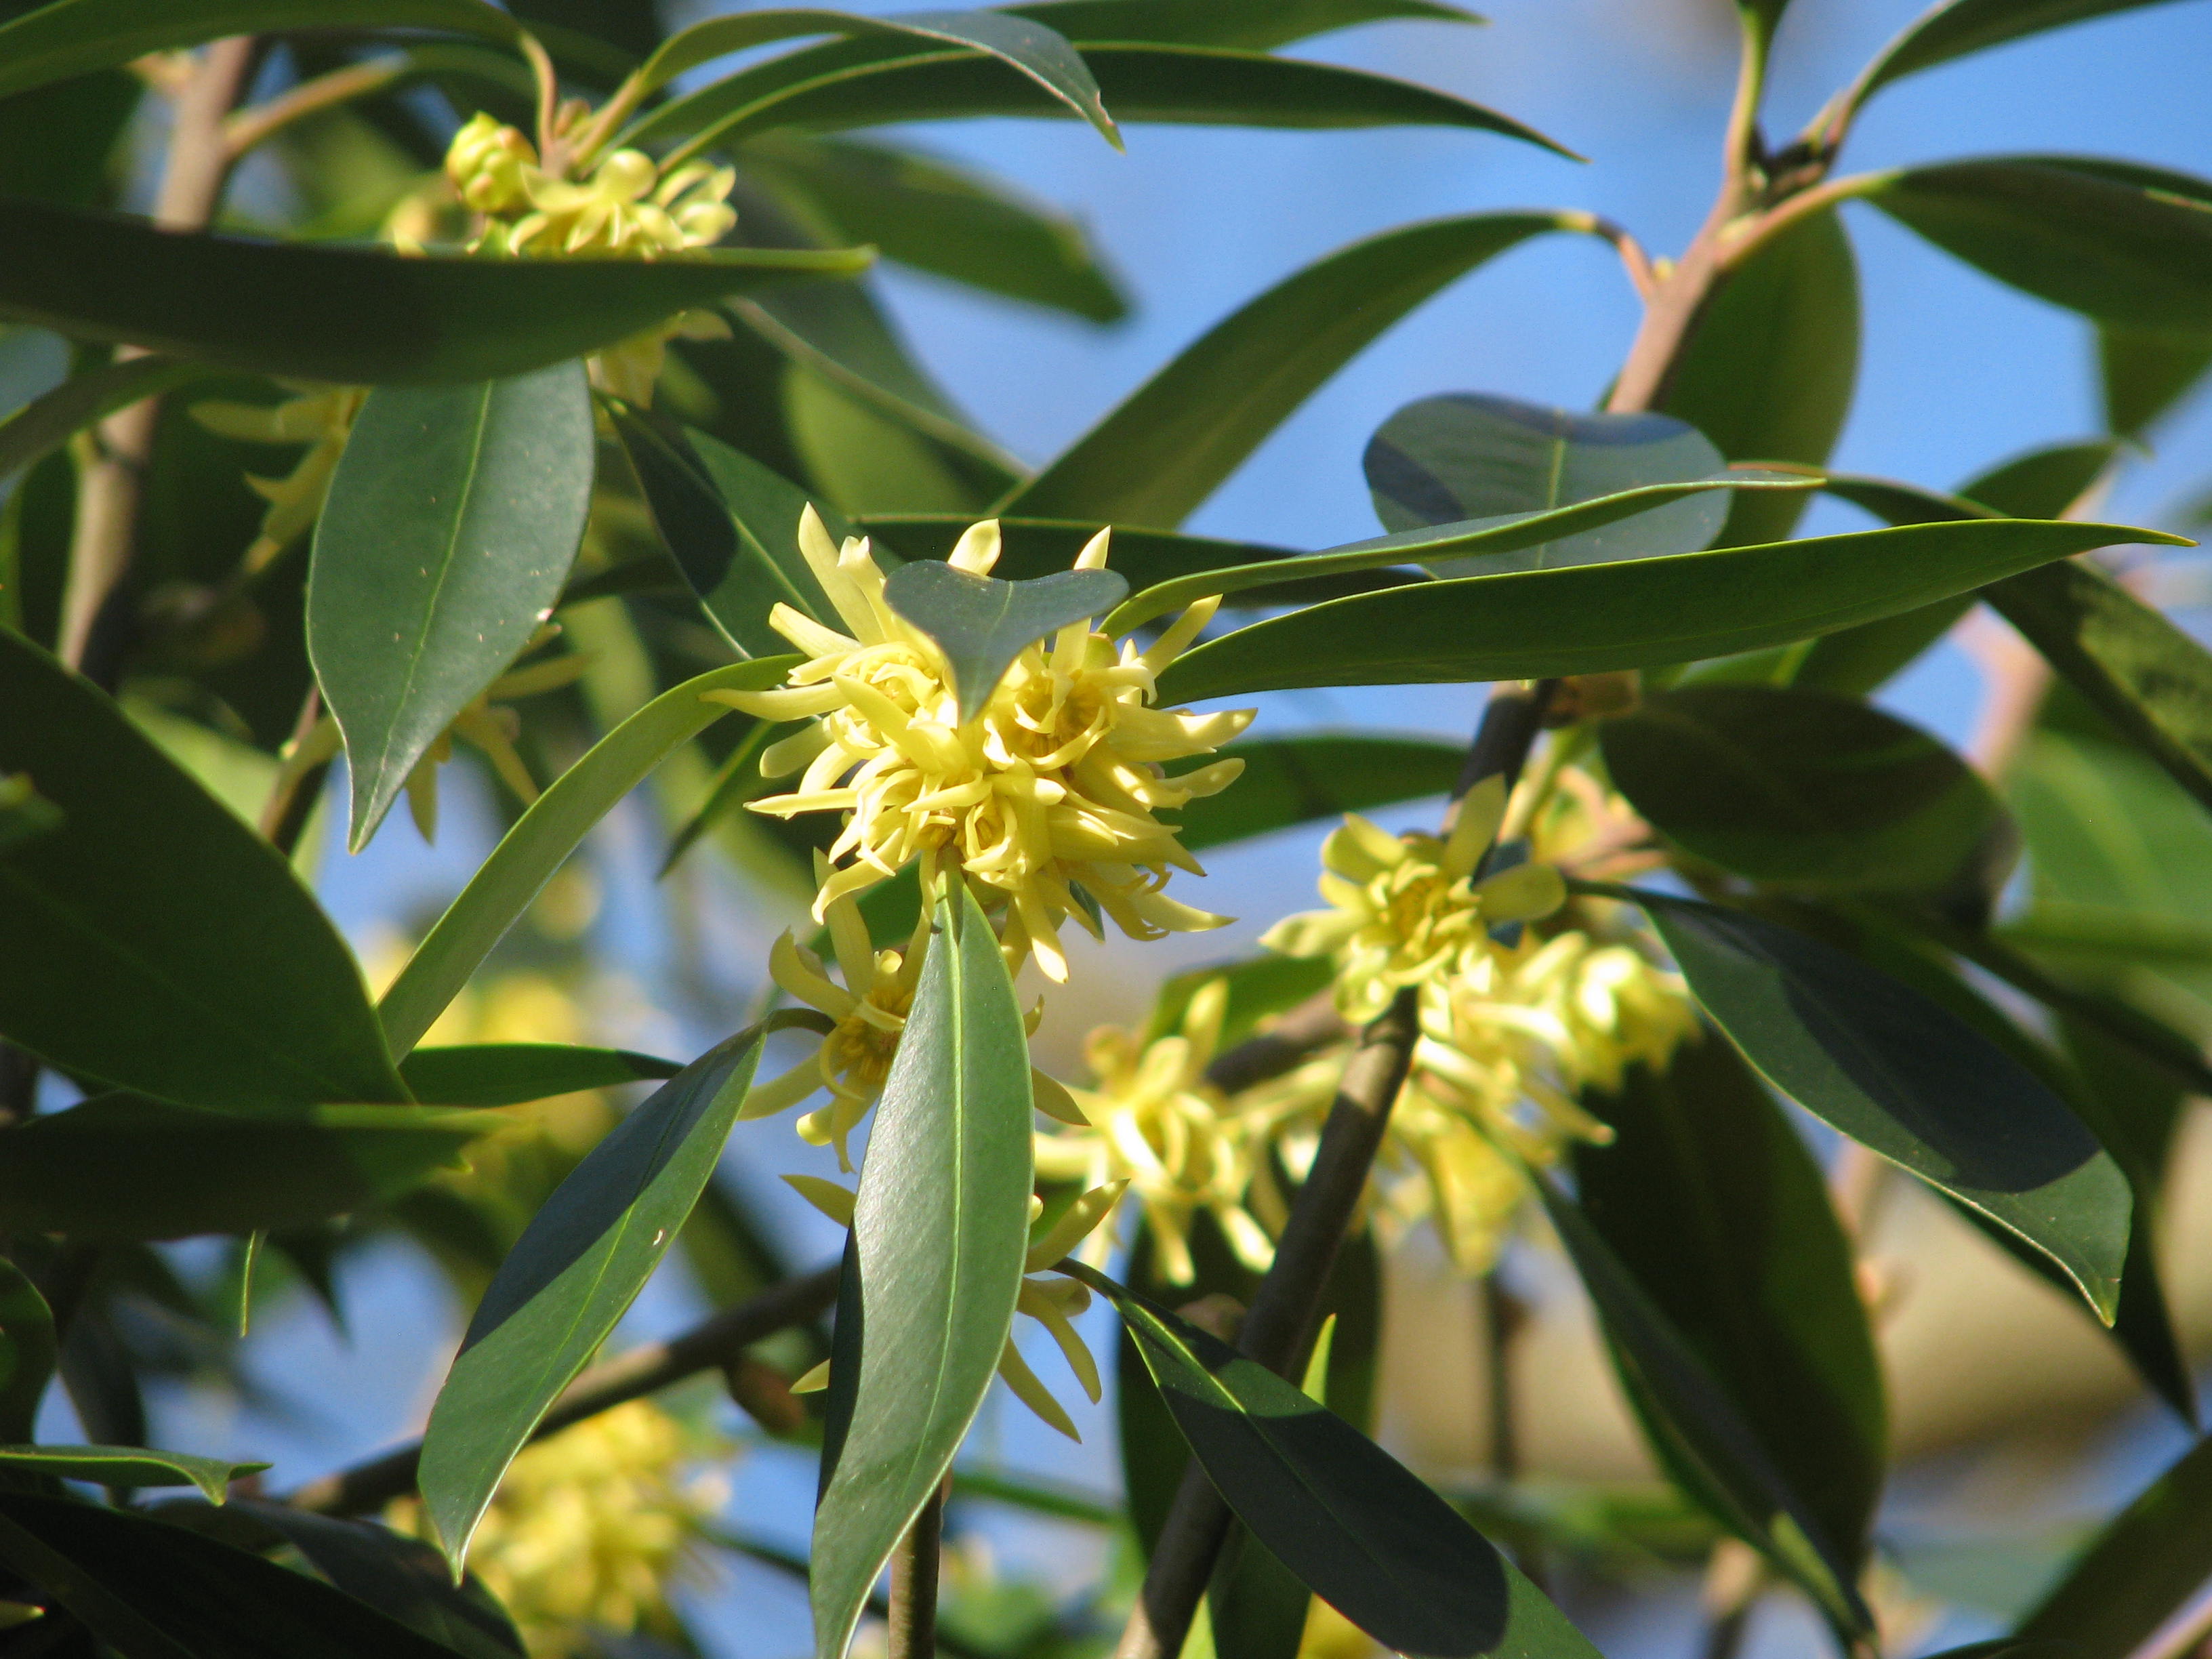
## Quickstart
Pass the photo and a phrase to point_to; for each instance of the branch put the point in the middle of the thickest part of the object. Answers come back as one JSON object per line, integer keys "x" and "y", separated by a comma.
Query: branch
{"x": 249, "y": 128}
{"x": 912, "y": 1615}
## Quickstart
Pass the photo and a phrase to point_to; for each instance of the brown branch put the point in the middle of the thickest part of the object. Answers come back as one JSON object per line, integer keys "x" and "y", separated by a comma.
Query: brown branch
{"x": 712, "y": 1343}
{"x": 912, "y": 1615}
{"x": 248, "y": 128}
{"x": 292, "y": 802}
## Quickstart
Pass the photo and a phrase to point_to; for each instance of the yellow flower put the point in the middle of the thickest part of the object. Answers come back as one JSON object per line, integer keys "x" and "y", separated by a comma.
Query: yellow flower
{"x": 320, "y": 416}
{"x": 587, "y": 1529}
{"x": 1052, "y": 788}
{"x": 1407, "y": 909}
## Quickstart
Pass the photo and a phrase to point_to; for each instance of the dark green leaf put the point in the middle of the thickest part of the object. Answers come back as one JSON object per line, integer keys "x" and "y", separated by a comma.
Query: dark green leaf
{"x": 26, "y": 1351}
{"x": 1037, "y": 547}
{"x": 981, "y": 624}
{"x": 1173, "y": 441}
{"x": 1768, "y": 372}
{"x": 358, "y": 316}
{"x": 928, "y": 214}
{"x": 2042, "y": 483}
{"x": 573, "y": 1273}
{"x": 1471, "y": 455}
{"x": 1710, "y": 1199}
{"x": 152, "y": 1590}
{"x": 542, "y": 840}
{"x": 1586, "y": 618}
{"x": 2145, "y": 374}
{"x": 1701, "y": 1435}
{"x": 514, "y": 1073}
{"x": 25, "y": 814}
{"x": 1946, "y": 32}
{"x": 452, "y": 521}
{"x": 2126, "y": 245}
{"x": 122, "y": 1167}
{"x": 1288, "y": 781}
{"x": 867, "y": 454}
{"x": 73, "y": 37}
{"x": 45, "y": 424}
{"x": 1258, "y": 986}
{"x": 240, "y": 995}
{"x": 1909, "y": 1080}
{"x": 940, "y": 1229}
{"x": 2139, "y": 1573}
{"x": 1362, "y": 1532}
{"x": 1802, "y": 788}
{"x": 127, "y": 1466}
{"x": 1251, "y": 24}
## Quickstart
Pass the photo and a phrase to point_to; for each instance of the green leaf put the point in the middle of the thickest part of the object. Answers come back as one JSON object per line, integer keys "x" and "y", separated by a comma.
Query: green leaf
{"x": 127, "y": 1466}
{"x": 26, "y": 1351}
{"x": 25, "y": 814}
{"x": 925, "y": 213}
{"x": 2043, "y": 483}
{"x": 1347, "y": 1518}
{"x": 1702, "y": 1436}
{"x": 46, "y": 423}
{"x": 1529, "y": 624}
{"x": 1028, "y": 47}
{"x": 1909, "y": 1080}
{"x": 240, "y": 995}
{"x": 1038, "y": 547}
{"x": 1471, "y": 455}
{"x": 2142, "y": 1570}
{"x": 2145, "y": 374}
{"x": 1288, "y": 781}
{"x": 543, "y": 838}
{"x": 73, "y": 36}
{"x": 156, "y": 1591}
{"x": 1710, "y": 1198}
{"x": 356, "y": 316}
{"x": 452, "y": 521}
{"x": 981, "y": 624}
{"x": 1947, "y": 32}
{"x": 2126, "y": 245}
{"x": 514, "y": 1073}
{"x": 573, "y": 1273}
{"x": 1768, "y": 372}
{"x": 939, "y": 1231}
{"x": 120, "y": 1167}
{"x": 1173, "y": 440}
{"x": 1250, "y": 25}
{"x": 731, "y": 527}
{"x": 1258, "y": 986}
{"x": 1800, "y": 788}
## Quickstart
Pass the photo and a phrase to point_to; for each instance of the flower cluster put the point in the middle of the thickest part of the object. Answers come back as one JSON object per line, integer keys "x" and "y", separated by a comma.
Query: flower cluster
{"x": 1043, "y": 801}
{"x": 320, "y": 417}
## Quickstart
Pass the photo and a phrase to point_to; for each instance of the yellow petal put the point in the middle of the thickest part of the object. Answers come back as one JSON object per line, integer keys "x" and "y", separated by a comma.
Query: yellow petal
{"x": 1033, "y": 1393}
{"x": 826, "y": 1196}
{"x": 1054, "y": 1100}
{"x": 1481, "y": 810}
{"x": 814, "y": 1382}
{"x": 1523, "y": 893}
{"x": 1074, "y": 1225}
{"x": 977, "y": 550}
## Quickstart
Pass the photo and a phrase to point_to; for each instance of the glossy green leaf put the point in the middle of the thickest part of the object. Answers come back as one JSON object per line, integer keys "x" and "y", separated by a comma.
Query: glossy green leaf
{"x": 242, "y": 997}
{"x": 27, "y": 1352}
{"x": 981, "y": 624}
{"x": 515, "y": 1073}
{"x": 152, "y": 1590}
{"x": 1362, "y": 1532}
{"x": 1172, "y": 441}
{"x": 2144, "y": 375}
{"x": 2126, "y": 245}
{"x": 356, "y": 316}
{"x": 2148, "y": 1563}
{"x": 1909, "y": 1080}
{"x": 1945, "y": 31}
{"x": 452, "y": 521}
{"x": 1710, "y": 1199}
{"x": 1767, "y": 373}
{"x": 925, "y": 213}
{"x": 1800, "y": 788}
{"x": 120, "y": 1167}
{"x": 573, "y": 1273}
{"x": 1471, "y": 455}
{"x": 73, "y": 37}
{"x": 543, "y": 838}
{"x": 127, "y": 1466}
{"x": 1288, "y": 781}
{"x": 1250, "y": 25}
{"x": 1702, "y": 1437}
{"x": 939, "y": 1231}
{"x": 2044, "y": 483}
{"x": 867, "y": 454}
{"x": 25, "y": 814}
{"x": 1525, "y": 625}
{"x": 45, "y": 424}
{"x": 731, "y": 527}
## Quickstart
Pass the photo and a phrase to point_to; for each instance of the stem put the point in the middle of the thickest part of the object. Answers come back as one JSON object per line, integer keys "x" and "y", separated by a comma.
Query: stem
{"x": 248, "y": 128}
{"x": 912, "y": 1612}
{"x": 284, "y": 815}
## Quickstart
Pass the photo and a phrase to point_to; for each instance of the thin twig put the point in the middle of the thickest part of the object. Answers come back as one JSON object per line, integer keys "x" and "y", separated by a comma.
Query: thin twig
{"x": 913, "y": 1613}
{"x": 246, "y": 129}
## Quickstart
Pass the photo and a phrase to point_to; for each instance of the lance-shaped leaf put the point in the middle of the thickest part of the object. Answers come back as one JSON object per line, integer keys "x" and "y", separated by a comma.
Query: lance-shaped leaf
{"x": 127, "y": 1466}
{"x": 356, "y": 316}
{"x": 2146, "y": 373}
{"x": 122, "y": 1167}
{"x": 940, "y": 1226}
{"x": 45, "y": 424}
{"x": 1700, "y": 1433}
{"x": 573, "y": 1273}
{"x": 1174, "y": 439}
{"x": 26, "y": 1351}
{"x": 1909, "y": 1080}
{"x": 1526, "y": 625}
{"x": 452, "y": 521}
{"x": 1803, "y": 789}
{"x": 513, "y": 1073}
{"x": 241, "y": 996}
{"x": 1288, "y": 780}
{"x": 981, "y": 624}
{"x": 1251, "y": 24}
{"x": 539, "y": 843}
{"x": 2141, "y": 1571}
{"x": 1348, "y": 1519}
{"x": 1471, "y": 455}
{"x": 153, "y": 1590}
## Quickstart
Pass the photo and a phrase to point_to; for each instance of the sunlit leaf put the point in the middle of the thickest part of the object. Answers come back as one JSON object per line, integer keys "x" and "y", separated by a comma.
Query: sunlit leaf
{"x": 127, "y": 1466}
{"x": 514, "y": 1073}
{"x": 981, "y": 624}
